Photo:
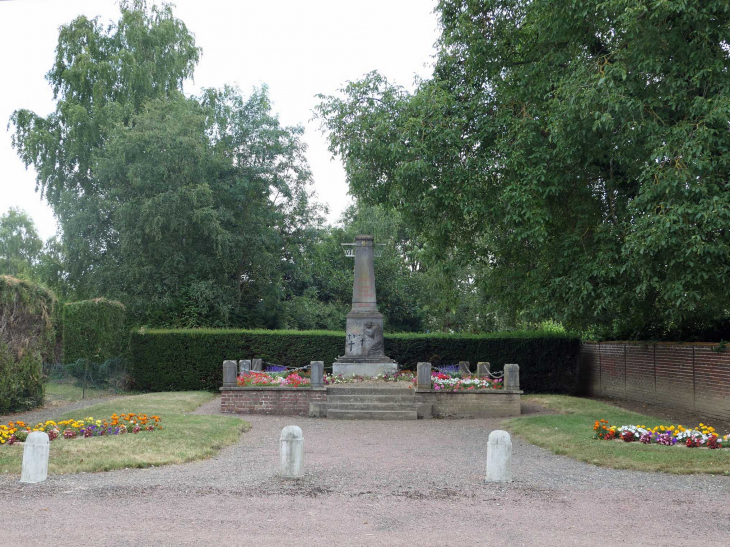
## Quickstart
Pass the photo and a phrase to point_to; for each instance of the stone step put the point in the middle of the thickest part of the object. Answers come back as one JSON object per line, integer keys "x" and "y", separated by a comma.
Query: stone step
{"x": 406, "y": 399}
{"x": 368, "y": 391}
{"x": 348, "y": 405}
{"x": 372, "y": 414}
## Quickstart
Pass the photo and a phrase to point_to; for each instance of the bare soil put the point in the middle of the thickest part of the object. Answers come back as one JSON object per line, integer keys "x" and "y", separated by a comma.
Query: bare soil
{"x": 410, "y": 483}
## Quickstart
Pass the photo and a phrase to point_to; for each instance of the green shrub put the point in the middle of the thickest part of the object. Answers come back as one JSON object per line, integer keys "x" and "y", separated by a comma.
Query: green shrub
{"x": 27, "y": 315}
{"x": 163, "y": 360}
{"x": 94, "y": 330}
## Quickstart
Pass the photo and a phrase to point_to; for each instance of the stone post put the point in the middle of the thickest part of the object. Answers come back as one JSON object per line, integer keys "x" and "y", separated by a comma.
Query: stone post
{"x": 229, "y": 373}
{"x": 464, "y": 367}
{"x": 257, "y": 365}
{"x": 483, "y": 368}
{"x": 35, "y": 457}
{"x": 244, "y": 366}
{"x": 316, "y": 373}
{"x": 291, "y": 452}
{"x": 512, "y": 377}
{"x": 499, "y": 457}
{"x": 423, "y": 376}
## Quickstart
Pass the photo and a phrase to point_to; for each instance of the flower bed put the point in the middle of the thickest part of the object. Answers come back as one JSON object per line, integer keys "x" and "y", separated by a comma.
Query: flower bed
{"x": 400, "y": 376}
{"x": 701, "y": 436}
{"x": 274, "y": 379}
{"x": 463, "y": 382}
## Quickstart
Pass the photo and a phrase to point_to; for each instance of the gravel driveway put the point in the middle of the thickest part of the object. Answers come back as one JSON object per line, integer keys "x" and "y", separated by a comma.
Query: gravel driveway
{"x": 415, "y": 483}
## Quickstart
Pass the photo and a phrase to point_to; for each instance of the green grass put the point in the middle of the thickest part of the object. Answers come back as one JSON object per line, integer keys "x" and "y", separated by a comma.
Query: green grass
{"x": 570, "y": 433}
{"x": 185, "y": 437}
{"x": 61, "y": 392}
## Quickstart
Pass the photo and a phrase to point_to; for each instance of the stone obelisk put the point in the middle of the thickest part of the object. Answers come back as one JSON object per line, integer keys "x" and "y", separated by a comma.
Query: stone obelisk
{"x": 364, "y": 347}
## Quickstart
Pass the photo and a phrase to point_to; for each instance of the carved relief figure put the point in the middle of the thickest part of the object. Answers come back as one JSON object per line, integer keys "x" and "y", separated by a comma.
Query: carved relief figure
{"x": 375, "y": 333}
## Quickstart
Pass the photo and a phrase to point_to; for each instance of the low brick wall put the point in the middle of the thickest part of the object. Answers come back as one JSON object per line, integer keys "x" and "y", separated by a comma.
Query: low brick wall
{"x": 693, "y": 377}
{"x": 485, "y": 403}
{"x": 282, "y": 401}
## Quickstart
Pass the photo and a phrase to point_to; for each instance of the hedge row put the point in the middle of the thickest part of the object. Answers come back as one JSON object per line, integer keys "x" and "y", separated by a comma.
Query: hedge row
{"x": 27, "y": 337}
{"x": 93, "y": 330}
{"x": 169, "y": 360}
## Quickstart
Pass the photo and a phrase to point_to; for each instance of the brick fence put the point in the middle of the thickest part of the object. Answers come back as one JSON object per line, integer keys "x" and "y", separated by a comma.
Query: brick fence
{"x": 281, "y": 401}
{"x": 687, "y": 376}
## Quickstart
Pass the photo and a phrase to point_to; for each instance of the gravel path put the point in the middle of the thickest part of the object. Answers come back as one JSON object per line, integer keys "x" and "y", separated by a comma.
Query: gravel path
{"x": 415, "y": 483}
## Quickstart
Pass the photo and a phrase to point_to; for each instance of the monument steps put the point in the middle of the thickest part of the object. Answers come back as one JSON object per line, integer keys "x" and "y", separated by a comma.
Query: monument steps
{"x": 353, "y": 403}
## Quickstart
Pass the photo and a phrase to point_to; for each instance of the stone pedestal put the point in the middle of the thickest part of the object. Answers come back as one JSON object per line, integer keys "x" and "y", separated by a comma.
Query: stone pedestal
{"x": 364, "y": 344}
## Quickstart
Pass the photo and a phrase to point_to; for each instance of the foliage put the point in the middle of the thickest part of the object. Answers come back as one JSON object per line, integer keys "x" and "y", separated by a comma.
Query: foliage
{"x": 20, "y": 246}
{"x": 164, "y": 360}
{"x": 261, "y": 379}
{"x": 27, "y": 336}
{"x": 576, "y": 153}
{"x": 93, "y": 330}
{"x": 702, "y": 435}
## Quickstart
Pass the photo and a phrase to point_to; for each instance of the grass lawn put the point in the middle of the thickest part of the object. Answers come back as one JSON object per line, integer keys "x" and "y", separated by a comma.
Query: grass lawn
{"x": 570, "y": 433}
{"x": 185, "y": 437}
{"x": 60, "y": 392}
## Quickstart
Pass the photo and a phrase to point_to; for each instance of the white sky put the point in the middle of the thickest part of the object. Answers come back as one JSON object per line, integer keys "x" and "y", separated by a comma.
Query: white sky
{"x": 298, "y": 47}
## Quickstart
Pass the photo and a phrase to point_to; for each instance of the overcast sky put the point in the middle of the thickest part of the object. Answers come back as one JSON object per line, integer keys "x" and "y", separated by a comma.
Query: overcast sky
{"x": 297, "y": 47}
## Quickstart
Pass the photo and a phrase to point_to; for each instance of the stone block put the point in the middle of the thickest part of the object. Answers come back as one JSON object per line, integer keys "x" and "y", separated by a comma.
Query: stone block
{"x": 35, "y": 458}
{"x": 316, "y": 369}
{"x": 244, "y": 366}
{"x": 257, "y": 365}
{"x": 464, "y": 367}
{"x": 291, "y": 452}
{"x": 229, "y": 373}
{"x": 423, "y": 375}
{"x": 511, "y": 376}
{"x": 484, "y": 368}
{"x": 499, "y": 457}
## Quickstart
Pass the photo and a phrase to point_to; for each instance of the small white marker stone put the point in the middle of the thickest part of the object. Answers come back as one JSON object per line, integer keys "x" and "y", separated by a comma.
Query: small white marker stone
{"x": 292, "y": 452}
{"x": 35, "y": 457}
{"x": 499, "y": 457}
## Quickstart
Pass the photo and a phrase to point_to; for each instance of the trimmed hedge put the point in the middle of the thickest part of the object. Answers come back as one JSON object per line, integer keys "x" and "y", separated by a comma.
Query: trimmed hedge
{"x": 189, "y": 359}
{"x": 27, "y": 338}
{"x": 93, "y": 330}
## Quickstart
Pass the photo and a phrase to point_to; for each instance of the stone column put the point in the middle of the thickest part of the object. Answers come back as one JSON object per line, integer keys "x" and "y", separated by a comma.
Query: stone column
{"x": 423, "y": 376}
{"x": 512, "y": 377}
{"x": 35, "y": 457}
{"x": 291, "y": 452}
{"x": 464, "y": 367}
{"x": 244, "y": 366}
{"x": 257, "y": 365}
{"x": 499, "y": 457}
{"x": 316, "y": 373}
{"x": 229, "y": 373}
{"x": 483, "y": 368}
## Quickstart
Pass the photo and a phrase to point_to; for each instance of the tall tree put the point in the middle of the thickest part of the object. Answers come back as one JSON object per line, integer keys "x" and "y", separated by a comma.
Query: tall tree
{"x": 577, "y": 152}
{"x": 20, "y": 246}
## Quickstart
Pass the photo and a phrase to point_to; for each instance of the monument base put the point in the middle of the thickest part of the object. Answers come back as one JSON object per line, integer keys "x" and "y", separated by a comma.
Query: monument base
{"x": 363, "y": 369}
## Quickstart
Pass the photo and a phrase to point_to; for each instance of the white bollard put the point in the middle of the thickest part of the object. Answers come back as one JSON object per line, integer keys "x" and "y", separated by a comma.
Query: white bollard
{"x": 499, "y": 457}
{"x": 35, "y": 457}
{"x": 291, "y": 452}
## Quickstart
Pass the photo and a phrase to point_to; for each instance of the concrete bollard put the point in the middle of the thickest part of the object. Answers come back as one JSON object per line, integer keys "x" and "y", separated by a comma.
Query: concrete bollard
{"x": 483, "y": 368}
{"x": 316, "y": 373}
{"x": 35, "y": 457}
{"x": 423, "y": 376}
{"x": 244, "y": 366}
{"x": 229, "y": 373}
{"x": 291, "y": 452}
{"x": 464, "y": 367}
{"x": 499, "y": 457}
{"x": 512, "y": 376}
{"x": 257, "y": 365}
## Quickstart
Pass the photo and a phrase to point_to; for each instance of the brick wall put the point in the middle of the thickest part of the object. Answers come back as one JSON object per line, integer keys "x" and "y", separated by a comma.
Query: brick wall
{"x": 461, "y": 404}
{"x": 280, "y": 401}
{"x": 687, "y": 376}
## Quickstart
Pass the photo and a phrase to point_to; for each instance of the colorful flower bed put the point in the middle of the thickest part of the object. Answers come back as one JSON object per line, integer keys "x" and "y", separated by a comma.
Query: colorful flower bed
{"x": 399, "y": 376}
{"x": 463, "y": 382}
{"x": 118, "y": 424}
{"x": 702, "y": 435}
{"x": 277, "y": 379}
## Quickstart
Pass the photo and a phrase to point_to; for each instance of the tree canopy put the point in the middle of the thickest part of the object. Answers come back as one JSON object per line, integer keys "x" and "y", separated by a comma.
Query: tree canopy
{"x": 576, "y": 152}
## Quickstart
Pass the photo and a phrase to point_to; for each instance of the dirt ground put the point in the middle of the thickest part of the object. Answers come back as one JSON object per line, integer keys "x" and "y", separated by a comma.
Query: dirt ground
{"x": 415, "y": 483}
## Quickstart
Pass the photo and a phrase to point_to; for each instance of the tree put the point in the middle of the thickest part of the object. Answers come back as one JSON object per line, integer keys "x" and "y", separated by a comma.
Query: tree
{"x": 20, "y": 246}
{"x": 576, "y": 153}
{"x": 182, "y": 208}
